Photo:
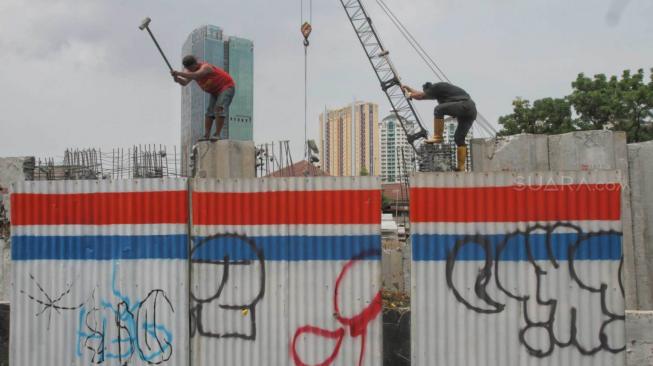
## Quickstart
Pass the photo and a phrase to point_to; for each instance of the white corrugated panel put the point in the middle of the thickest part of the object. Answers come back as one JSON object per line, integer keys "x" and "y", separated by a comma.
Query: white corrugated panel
{"x": 286, "y": 271}
{"x": 99, "y": 273}
{"x": 517, "y": 269}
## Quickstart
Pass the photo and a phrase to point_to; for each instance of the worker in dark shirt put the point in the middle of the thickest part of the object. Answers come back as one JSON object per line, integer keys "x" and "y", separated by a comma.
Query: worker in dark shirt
{"x": 452, "y": 101}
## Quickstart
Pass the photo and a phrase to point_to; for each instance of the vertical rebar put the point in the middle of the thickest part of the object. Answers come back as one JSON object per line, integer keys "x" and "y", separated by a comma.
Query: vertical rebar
{"x": 174, "y": 149}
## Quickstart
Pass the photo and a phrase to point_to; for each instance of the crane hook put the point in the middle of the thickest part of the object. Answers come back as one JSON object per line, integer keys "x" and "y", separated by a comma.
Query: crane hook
{"x": 306, "y": 31}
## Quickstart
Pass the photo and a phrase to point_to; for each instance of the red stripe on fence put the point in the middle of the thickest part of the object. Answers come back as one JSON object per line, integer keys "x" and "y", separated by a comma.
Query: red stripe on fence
{"x": 100, "y": 208}
{"x": 516, "y": 203}
{"x": 287, "y": 207}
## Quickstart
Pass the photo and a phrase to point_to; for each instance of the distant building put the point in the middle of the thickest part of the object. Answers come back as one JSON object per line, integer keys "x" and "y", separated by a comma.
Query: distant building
{"x": 395, "y": 201}
{"x": 396, "y": 153}
{"x": 236, "y": 56}
{"x": 349, "y": 140}
{"x": 300, "y": 169}
{"x": 450, "y": 125}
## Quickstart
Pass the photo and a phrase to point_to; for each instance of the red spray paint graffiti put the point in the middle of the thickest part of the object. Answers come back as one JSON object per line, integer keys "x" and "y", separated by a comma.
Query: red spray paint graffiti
{"x": 356, "y": 325}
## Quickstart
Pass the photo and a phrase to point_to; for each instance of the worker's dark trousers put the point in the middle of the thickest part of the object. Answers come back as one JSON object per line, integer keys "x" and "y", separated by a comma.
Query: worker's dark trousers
{"x": 464, "y": 111}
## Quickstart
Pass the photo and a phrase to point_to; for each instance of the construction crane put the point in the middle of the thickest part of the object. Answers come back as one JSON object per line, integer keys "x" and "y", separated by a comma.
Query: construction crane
{"x": 481, "y": 121}
{"x": 431, "y": 157}
{"x": 385, "y": 71}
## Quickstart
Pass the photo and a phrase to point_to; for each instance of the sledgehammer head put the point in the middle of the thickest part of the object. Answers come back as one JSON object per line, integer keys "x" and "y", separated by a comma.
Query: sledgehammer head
{"x": 144, "y": 23}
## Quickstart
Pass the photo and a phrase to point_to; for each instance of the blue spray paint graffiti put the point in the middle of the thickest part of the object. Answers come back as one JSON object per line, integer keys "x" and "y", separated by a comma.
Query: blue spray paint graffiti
{"x": 121, "y": 329}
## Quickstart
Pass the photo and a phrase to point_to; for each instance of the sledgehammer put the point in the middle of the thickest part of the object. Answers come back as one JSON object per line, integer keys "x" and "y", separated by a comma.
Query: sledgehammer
{"x": 145, "y": 25}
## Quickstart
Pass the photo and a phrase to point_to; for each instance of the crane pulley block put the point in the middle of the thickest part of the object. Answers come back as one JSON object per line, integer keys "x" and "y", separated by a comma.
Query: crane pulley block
{"x": 306, "y": 32}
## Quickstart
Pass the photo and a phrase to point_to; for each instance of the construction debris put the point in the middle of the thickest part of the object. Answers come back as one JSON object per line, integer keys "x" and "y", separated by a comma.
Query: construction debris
{"x": 395, "y": 300}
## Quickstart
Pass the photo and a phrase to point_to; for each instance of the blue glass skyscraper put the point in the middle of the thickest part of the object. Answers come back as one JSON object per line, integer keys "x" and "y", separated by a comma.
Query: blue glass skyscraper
{"x": 236, "y": 56}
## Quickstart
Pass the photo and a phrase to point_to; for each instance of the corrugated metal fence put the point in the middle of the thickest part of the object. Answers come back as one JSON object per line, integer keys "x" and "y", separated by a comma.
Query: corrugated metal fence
{"x": 513, "y": 269}
{"x": 100, "y": 273}
{"x": 298, "y": 263}
{"x": 507, "y": 270}
{"x": 284, "y": 271}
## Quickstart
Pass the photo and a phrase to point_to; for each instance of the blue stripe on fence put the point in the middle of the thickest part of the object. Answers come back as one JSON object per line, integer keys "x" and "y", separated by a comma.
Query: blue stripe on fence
{"x": 99, "y": 247}
{"x": 276, "y": 248}
{"x": 518, "y": 247}
{"x": 292, "y": 248}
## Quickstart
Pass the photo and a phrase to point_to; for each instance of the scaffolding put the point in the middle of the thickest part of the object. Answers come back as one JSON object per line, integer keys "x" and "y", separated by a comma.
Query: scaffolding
{"x": 138, "y": 161}
{"x": 269, "y": 160}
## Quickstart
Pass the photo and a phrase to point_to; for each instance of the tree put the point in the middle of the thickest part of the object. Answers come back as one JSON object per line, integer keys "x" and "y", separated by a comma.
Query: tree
{"x": 619, "y": 104}
{"x": 364, "y": 171}
{"x": 385, "y": 202}
{"x": 547, "y": 116}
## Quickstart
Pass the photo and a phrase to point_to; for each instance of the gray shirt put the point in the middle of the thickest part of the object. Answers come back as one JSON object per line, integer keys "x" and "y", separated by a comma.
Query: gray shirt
{"x": 445, "y": 92}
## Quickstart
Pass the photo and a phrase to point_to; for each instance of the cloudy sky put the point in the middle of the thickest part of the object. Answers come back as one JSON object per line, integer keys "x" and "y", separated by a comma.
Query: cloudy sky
{"x": 79, "y": 73}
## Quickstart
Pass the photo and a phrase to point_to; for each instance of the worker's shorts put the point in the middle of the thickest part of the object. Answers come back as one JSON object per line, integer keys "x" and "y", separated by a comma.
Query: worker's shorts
{"x": 464, "y": 111}
{"x": 222, "y": 99}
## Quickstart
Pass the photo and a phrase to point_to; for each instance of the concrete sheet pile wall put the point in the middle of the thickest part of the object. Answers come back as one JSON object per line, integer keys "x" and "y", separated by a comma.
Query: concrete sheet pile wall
{"x": 12, "y": 170}
{"x": 517, "y": 269}
{"x": 286, "y": 271}
{"x": 640, "y": 168}
{"x": 639, "y": 338}
{"x": 581, "y": 150}
{"x": 224, "y": 159}
{"x": 518, "y": 153}
{"x": 588, "y": 150}
{"x": 99, "y": 273}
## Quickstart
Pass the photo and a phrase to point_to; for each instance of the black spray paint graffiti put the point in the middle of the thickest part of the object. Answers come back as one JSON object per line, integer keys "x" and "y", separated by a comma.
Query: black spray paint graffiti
{"x": 560, "y": 326}
{"x": 223, "y": 293}
{"x": 50, "y": 303}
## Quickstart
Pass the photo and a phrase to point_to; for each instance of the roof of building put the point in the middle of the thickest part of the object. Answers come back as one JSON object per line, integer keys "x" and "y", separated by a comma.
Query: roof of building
{"x": 393, "y": 191}
{"x": 300, "y": 169}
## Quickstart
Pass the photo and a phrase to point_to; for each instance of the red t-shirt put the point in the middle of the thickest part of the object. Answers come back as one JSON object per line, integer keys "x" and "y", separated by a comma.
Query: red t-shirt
{"x": 217, "y": 81}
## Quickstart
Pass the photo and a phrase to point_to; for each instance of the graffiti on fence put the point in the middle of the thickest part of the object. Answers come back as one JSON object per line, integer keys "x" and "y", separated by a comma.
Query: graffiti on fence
{"x": 560, "y": 326}
{"x": 49, "y": 302}
{"x": 355, "y": 326}
{"x": 125, "y": 328}
{"x": 216, "y": 257}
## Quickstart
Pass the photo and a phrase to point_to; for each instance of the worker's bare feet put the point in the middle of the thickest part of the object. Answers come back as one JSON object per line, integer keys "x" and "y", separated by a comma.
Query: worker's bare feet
{"x": 215, "y": 138}
{"x": 203, "y": 138}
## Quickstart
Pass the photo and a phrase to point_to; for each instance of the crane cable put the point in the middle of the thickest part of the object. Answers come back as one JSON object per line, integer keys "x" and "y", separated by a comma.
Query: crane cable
{"x": 306, "y": 29}
{"x": 412, "y": 41}
{"x": 428, "y": 60}
{"x": 483, "y": 123}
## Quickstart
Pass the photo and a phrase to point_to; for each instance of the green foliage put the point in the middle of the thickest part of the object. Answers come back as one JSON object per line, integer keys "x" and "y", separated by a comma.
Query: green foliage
{"x": 619, "y": 104}
{"x": 547, "y": 116}
{"x": 364, "y": 171}
{"x": 385, "y": 201}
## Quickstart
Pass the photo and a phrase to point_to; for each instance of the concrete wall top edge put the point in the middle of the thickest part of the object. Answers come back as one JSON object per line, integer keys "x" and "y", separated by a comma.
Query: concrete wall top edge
{"x": 97, "y": 186}
{"x": 501, "y": 178}
{"x": 277, "y": 184}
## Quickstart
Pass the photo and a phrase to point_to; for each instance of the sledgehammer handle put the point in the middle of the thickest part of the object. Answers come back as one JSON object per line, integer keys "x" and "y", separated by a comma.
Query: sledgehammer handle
{"x": 159, "y": 47}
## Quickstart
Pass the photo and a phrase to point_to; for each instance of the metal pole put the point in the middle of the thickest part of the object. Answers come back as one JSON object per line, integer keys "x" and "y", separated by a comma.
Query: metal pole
{"x": 159, "y": 47}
